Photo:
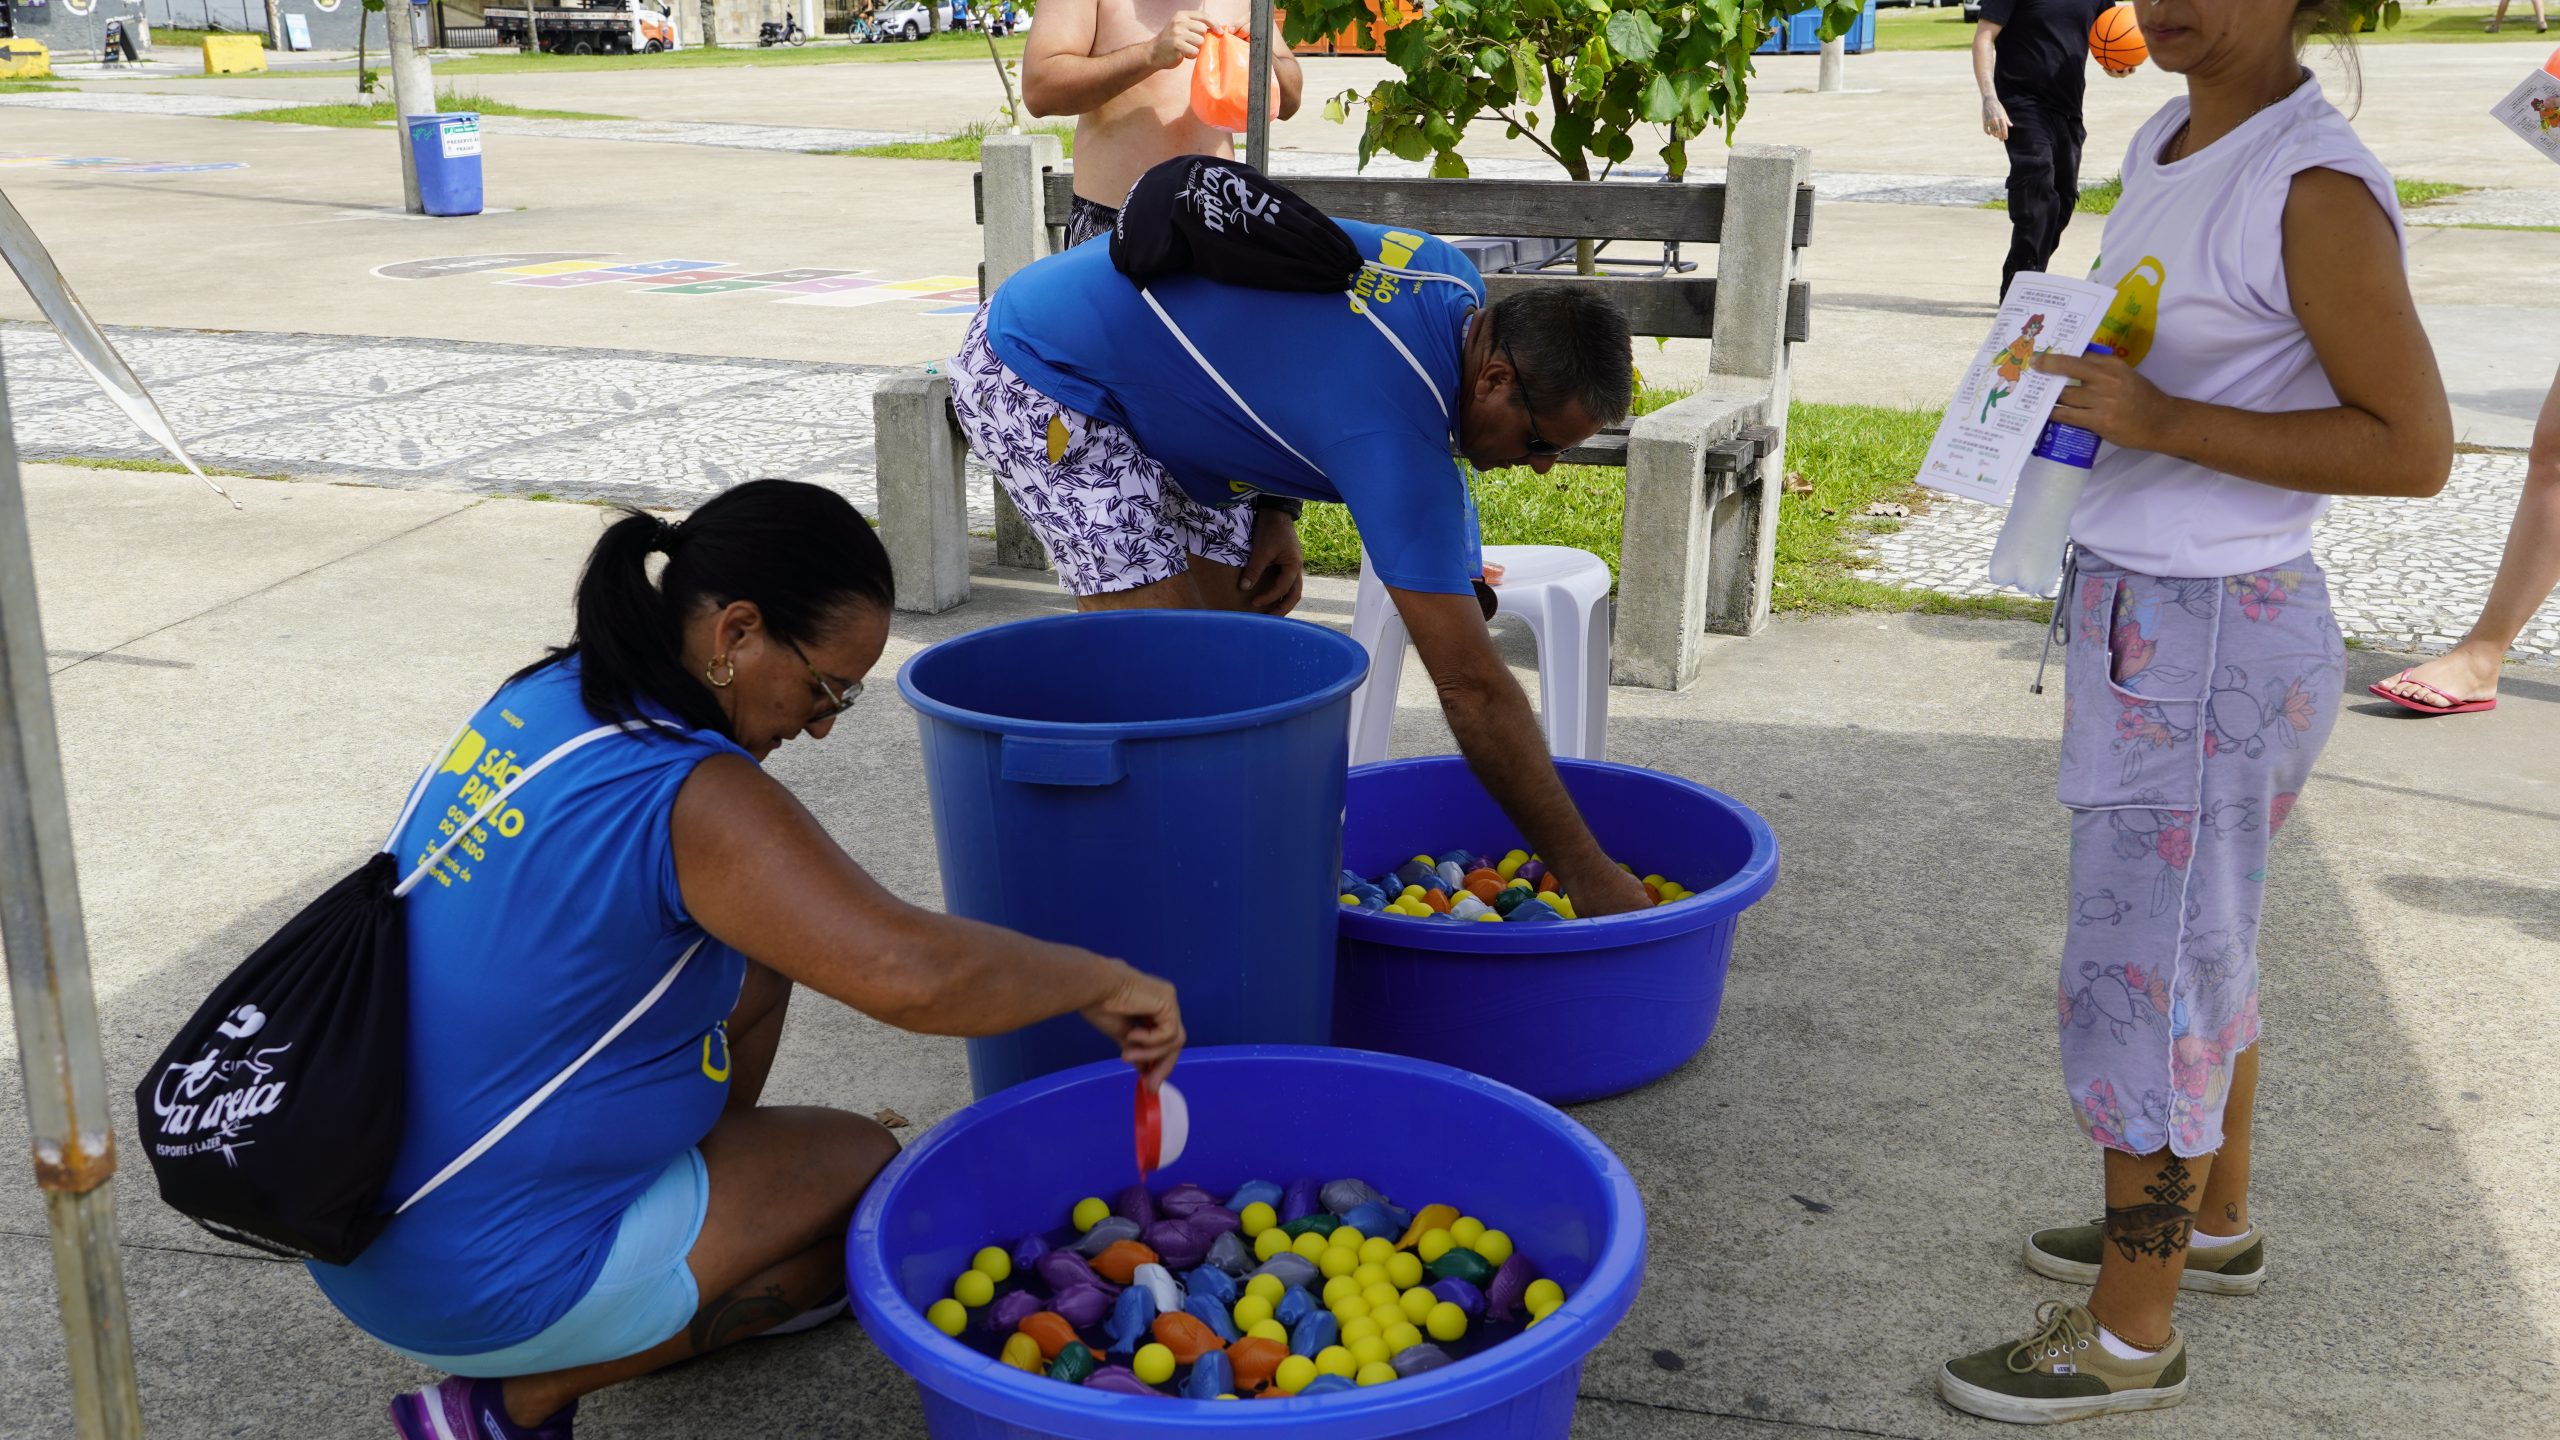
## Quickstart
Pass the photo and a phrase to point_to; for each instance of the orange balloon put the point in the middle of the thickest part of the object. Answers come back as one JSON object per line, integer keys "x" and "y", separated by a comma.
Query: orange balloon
{"x": 1049, "y": 1330}
{"x": 1185, "y": 1336}
{"x": 1119, "y": 1262}
{"x": 1255, "y": 1359}
{"x": 2115, "y": 39}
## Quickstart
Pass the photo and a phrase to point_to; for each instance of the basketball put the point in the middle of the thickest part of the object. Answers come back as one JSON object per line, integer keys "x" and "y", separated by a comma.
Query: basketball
{"x": 2115, "y": 41}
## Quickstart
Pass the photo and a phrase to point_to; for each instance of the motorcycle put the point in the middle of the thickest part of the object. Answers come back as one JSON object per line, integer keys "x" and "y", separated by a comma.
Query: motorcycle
{"x": 787, "y": 33}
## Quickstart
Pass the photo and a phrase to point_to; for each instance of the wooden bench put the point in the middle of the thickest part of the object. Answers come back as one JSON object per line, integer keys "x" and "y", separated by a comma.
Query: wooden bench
{"x": 1704, "y": 475}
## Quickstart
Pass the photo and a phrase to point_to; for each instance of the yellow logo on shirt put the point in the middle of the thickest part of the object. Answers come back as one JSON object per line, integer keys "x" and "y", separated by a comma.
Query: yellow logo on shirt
{"x": 719, "y": 1073}
{"x": 1395, "y": 248}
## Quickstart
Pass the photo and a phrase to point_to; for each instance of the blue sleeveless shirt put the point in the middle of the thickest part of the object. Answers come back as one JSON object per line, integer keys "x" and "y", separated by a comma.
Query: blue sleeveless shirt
{"x": 526, "y": 943}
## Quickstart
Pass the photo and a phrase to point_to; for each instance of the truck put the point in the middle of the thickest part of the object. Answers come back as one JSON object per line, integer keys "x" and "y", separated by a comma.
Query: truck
{"x": 586, "y": 27}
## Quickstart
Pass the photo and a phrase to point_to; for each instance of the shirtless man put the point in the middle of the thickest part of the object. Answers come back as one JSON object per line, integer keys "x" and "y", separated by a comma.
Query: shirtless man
{"x": 1122, "y": 68}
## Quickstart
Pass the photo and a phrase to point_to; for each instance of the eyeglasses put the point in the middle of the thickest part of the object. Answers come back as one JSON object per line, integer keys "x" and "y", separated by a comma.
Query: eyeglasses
{"x": 837, "y": 701}
{"x": 1539, "y": 446}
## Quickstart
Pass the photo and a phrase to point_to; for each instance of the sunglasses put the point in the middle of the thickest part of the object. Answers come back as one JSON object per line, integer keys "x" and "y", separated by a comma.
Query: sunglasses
{"x": 1539, "y": 447}
{"x": 837, "y": 701}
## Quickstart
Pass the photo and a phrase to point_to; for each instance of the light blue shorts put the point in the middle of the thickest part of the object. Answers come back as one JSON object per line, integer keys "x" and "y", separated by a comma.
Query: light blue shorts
{"x": 644, "y": 1294}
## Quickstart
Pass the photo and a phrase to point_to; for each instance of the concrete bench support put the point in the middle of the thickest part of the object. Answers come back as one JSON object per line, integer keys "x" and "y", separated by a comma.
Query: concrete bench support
{"x": 922, "y": 461}
{"x": 1699, "y": 549}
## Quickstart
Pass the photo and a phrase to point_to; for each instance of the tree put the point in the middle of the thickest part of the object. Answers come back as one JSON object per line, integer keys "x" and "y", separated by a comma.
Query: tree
{"x": 1576, "y": 77}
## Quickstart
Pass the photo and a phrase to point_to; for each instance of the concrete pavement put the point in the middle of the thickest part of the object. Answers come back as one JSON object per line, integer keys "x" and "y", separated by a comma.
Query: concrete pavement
{"x": 244, "y": 696}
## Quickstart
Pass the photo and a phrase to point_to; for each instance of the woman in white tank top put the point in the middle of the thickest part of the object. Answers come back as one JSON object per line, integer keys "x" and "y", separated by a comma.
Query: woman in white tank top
{"x": 2266, "y": 356}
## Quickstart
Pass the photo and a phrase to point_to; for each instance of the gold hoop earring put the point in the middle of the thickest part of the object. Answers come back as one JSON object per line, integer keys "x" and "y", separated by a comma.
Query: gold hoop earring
{"x": 720, "y": 672}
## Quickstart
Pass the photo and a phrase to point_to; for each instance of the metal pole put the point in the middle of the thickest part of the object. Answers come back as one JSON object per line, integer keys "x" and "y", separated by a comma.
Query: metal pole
{"x": 1257, "y": 109}
{"x": 413, "y": 91}
{"x": 57, "y": 1018}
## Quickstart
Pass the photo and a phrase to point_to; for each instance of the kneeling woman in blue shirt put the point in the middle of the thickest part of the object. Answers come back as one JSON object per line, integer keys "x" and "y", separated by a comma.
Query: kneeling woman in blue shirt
{"x": 648, "y": 1209}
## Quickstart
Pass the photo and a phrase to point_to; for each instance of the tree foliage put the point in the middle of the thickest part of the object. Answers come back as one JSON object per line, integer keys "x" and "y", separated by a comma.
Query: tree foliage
{"x": 1579, "y": 78}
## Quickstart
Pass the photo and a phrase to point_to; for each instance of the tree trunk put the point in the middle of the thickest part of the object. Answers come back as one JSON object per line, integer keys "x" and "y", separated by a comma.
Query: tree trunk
{"x": 364, "y": 80}
{"x": 275, "y": 26}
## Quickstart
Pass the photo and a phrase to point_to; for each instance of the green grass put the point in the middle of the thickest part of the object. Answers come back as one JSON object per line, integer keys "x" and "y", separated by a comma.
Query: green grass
{"x": 933, "y": 47}
{"x": 26, "y": 87}
{"x": 380, "y": 113}
{"x": 2101, "y": 198}
{"x": 1852, "y": 455}
{"x": 1945, "y": 29}
{"x": 149, "y": 467}
{"x": 963, "y": 146}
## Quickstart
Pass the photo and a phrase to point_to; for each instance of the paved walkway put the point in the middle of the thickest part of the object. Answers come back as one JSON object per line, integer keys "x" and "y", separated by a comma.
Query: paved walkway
{"x": 2406, "y": 574}
{"x": 2495, "y": 206}
{"x": 1835, "y": 1188}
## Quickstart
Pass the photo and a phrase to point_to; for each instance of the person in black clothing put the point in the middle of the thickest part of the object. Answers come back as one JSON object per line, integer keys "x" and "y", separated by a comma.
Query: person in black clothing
{"x": 2031, "y": 95}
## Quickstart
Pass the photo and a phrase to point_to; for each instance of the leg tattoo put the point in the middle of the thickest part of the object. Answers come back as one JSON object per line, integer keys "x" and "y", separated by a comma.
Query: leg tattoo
{"x": 2160, "y": 1228}
{"x": 2231, "y": 1212}
{"x": 738, "y": 1314}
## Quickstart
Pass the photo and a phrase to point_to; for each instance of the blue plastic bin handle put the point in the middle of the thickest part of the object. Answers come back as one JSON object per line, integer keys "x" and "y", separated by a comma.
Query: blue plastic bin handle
{"x": 1032, "y": 760}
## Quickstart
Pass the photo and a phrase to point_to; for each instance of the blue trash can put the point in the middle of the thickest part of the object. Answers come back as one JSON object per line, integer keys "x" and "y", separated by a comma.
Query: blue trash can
{"x": 1162, "y": 786}
{"x": 1804, "y": 33}
{"x": 447, "y": 151}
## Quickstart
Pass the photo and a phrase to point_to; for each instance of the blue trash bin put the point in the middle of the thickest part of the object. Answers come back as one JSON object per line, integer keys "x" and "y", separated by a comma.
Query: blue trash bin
{"x": 1804, "y": 33}
{"x": 1162, "y": 786}
{"x": 447, "y": 151}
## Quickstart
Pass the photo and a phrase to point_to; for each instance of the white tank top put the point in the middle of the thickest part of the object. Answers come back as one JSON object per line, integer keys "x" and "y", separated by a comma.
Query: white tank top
{"x": 2195, "y": 252}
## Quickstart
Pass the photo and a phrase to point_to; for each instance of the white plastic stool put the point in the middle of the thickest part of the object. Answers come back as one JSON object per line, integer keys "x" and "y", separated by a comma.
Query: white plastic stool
{"x": 1562, "y": 593}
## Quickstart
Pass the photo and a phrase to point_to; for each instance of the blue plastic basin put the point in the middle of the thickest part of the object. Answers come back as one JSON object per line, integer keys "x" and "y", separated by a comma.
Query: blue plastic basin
{"x": 1568, "y": 1011}
{"x": 1160, "y": 785}
{"x": 1012, "y": 1165}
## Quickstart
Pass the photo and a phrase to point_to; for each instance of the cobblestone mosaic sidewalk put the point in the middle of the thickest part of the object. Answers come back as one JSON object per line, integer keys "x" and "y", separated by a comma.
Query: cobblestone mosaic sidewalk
{"x": 2404, "y": 574}
{"x": 498, "y": 419}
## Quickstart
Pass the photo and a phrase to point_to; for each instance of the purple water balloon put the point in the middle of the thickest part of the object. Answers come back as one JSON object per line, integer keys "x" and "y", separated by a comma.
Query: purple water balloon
{"x": 1011, "y": 1310}
{"x": 1211, "y": 1221}
{"x": 1180, "y": 1201}
{"x": 1463, "y": 1295}
{"x": 1062, "y": 1268}
{"x": 1302, "y": 1199}
{"x": 1136, "y": 1203}
{"x": 1175, "y": 1244}
{"x": 1082, "y": 1306}
{"x": 1027, "y": 1252}
{"x": 1510, "y": 1285}
{"x": 1119, "y": 1380}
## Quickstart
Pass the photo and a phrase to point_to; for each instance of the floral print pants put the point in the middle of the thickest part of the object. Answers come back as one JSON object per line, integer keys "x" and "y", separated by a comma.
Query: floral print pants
{"x": 1110, "y": 517}
{"x": 2194, "y": 711}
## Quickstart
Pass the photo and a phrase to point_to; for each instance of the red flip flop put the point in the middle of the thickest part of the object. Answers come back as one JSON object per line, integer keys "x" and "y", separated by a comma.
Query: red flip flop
{"x": 2451, "y": 706}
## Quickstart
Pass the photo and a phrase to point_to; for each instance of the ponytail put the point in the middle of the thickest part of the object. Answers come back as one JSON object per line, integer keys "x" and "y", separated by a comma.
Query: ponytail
{"x": 800, "y": 552}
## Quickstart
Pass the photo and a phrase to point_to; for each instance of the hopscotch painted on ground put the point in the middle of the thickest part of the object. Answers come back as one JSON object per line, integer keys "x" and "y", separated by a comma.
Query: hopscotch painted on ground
{"x": 565, "y": 270}
{"x": 117, "y": 165}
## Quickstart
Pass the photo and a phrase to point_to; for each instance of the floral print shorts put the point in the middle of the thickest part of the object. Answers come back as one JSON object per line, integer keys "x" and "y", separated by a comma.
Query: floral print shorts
{"x": 1109, "y": 515}
{"x": 2194, "y": 711}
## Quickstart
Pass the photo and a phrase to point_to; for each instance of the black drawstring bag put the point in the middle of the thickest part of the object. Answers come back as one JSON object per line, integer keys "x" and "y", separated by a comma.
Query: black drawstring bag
{"x": 1229, "y": 222}
{"x": 273, "y": 1118}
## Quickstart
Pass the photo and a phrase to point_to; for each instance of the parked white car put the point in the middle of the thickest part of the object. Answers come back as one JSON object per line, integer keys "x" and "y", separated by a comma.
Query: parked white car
{"x": 907, "y": 19}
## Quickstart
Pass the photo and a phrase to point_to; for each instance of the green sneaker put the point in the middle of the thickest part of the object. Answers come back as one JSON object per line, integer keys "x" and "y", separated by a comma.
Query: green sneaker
{"x": 2062, "y": 1373}
{"x": 2073, "y": 1251}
